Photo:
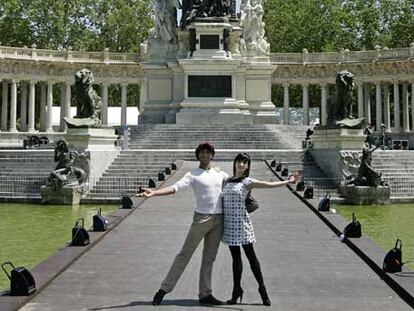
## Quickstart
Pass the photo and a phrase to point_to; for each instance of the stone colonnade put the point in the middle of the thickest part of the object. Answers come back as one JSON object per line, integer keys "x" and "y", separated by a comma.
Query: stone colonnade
{"x": 27, "y": 100}
{"x": 402, "y": 99}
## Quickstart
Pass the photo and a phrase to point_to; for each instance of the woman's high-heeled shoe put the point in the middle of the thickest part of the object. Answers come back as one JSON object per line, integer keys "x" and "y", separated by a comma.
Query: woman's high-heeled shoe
{"x": 235, "y": 296}
{"x": 265, "y": 297}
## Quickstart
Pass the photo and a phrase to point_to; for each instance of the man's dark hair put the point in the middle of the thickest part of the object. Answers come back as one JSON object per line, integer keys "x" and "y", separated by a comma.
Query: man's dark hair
{"x": 205, "y": 146}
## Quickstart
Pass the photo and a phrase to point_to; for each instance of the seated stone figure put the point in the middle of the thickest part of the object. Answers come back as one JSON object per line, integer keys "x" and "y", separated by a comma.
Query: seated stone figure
{"x": 71, "y": 167}
{"x": 367, "y": 176}
{"x": 88, "y": 103}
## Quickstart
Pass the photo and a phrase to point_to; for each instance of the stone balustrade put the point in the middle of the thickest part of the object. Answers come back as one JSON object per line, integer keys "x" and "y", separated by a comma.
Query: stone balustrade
{"x": 345, "y": 56}
{"x": 32, "y": 53}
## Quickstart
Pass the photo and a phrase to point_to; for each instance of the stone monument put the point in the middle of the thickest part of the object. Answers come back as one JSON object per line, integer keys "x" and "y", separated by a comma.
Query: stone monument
{"x": 366, "y": 186}
{"x": 211, "y": 68}
{"x": 88, "y": 103}
{"x": 343, "y": 132}
{"x": 85, "y": 132}
{"x": 69, "y": 180}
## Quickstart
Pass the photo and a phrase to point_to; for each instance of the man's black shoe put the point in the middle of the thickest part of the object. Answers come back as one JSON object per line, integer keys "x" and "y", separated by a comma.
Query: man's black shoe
{"x": 210, "y": 300}
{"x": 158, "y": 297}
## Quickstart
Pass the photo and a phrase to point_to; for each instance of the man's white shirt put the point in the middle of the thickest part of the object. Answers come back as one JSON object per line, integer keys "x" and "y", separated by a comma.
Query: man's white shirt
{"x": 207, "y": 186}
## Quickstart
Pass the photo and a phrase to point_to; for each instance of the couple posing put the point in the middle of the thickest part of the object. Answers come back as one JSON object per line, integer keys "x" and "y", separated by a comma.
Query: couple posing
{"x": 214, "y": 222}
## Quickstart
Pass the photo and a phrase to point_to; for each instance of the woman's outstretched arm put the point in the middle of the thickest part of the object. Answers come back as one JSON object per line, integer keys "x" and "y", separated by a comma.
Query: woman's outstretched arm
{"x": 273, "y": 184}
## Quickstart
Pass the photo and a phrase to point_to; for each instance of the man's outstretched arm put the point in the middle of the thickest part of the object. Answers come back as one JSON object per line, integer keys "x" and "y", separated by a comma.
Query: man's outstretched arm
{"x": 163, "y": 191}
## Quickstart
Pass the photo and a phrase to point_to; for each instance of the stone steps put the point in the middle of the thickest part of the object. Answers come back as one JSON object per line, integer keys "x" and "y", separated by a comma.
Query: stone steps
{"x": 251, "y": 136}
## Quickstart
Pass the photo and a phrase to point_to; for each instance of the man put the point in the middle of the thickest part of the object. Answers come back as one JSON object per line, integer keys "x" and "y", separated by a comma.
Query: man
{"x": 207, "y": 224}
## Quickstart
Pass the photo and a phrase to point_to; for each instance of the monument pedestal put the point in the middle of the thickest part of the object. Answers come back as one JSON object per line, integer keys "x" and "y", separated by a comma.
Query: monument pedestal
{"x": 99, "y": 142}
{"x": 328, "y": 144}
{"x": 341, "y": 138}
{"x": 363, "y": 195}
{"x": 67, "y": 195}
{"x": 213, "y": 112}
{"x": 209, "y": 82}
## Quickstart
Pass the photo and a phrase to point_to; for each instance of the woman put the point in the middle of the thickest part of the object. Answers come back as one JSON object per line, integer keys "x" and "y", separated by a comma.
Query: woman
{"x": 238, "y": 229}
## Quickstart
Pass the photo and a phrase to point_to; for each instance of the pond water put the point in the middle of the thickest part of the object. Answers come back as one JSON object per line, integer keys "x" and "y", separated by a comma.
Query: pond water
{"x": 30, "y": 233}
{"x": 384, "y": 224}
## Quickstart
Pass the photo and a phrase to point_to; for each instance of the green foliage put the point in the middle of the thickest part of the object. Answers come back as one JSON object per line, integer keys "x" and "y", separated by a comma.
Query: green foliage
{"x": 331, "y": 25}
{"x": 120, "y": 25}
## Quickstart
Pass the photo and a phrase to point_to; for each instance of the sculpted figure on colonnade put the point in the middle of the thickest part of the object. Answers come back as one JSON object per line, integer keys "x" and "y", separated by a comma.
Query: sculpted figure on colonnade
{"x": 88, "y": 102}
{"x": 251, "y": 20}
{"x": 340, "y": 106}
{"x": 165, "y": 20}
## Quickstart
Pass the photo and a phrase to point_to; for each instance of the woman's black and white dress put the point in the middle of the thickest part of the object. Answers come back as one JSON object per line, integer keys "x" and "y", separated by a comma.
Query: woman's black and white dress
{"x": 238, "y": 228}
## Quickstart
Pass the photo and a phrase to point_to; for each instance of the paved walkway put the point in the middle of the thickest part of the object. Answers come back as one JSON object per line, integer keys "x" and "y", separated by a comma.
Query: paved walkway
{"x": 304, "y": 264}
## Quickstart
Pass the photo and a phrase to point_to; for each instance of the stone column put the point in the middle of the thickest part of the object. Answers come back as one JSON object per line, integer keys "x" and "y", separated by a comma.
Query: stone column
{"x": 360, "y": 100}
{"x": 387, "y": 113}
{"x": 23, "y": 107}
{"x": 4, "y": 106}
{"x": 49, "y": 103}
{"x": 412, "y": 106}
{"x": 68, "y": 101}
{"x": 42, "y": 107}
{"x": 406, "y": 113}
{"x": 305, "y": 105}
{"x": 62, "y": 107}
{"x": 324, "y": 104}
{"x": 143, "y": 94}
{"x": 31, "y": 114}
{"x": 104, "y": 104}
{"x": 286, "y": 113}
{"x": 13, "y": 106}
{"x": 397, "y": 124}
{"x": 123, "y": 104}
{"x": 378, "y": 106}
{"x": 367, "y": 100}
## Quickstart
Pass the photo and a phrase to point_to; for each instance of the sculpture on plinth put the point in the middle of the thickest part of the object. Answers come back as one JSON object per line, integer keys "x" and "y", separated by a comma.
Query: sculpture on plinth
{"x": 363, "y": 184}
{"x": 88, "y": 102}
{"x": 162, "y": 41}
{"x": 367, "y": 176}
{"x": 192, "y": 9}
{"x": 165, "y": 20}
{"x": 72, "y": 167}
{"x": 340, "y": 106}
{"x": 253, "y": 41}
{"x": 68, "y": 181}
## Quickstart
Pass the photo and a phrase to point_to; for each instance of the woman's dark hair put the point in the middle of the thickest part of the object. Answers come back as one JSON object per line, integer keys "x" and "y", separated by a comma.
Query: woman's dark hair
{"x": 205, "y": 146}
{"x": 245, "y": 158}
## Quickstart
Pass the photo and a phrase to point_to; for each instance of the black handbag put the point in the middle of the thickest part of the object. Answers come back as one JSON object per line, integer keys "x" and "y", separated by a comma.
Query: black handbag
{"x": 308, "y": 194}
{"x": 324, "y": 204}
{"x": 393, "y": 259}
{"x": 251, "y": 203}
{"x": 353, "y": 229}
{"x": 80, "y": 237}
{"x": 22, "y": 282}
{"x": 99, "y": 223}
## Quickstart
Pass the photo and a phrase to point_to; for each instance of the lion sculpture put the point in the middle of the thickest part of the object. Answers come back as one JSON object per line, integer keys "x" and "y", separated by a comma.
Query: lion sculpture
{"x": 340, "y": 106}
{"x": 88, "y": 102}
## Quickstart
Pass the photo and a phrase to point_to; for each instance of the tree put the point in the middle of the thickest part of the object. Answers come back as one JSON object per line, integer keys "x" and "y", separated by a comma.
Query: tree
{"x": 332, "y": 25}
{"x": 120, "y": 25}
